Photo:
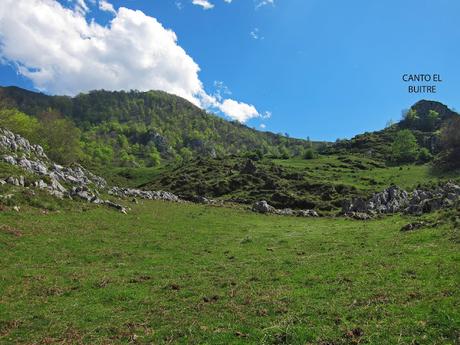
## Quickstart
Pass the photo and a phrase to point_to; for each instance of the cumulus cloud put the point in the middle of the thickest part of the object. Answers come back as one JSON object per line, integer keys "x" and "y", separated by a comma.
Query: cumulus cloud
{"x": 241, "y": 112}
{"x": 62, "y": 52}
{"x": 203, "y": 3}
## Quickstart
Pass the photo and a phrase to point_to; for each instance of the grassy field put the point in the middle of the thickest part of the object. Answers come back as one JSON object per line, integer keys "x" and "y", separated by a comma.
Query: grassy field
{"x": 364, "y": 174}
{"x": 190, "y": 274}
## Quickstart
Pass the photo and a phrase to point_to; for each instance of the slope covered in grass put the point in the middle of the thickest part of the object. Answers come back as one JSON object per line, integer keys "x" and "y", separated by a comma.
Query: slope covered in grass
{"x": 189, "y": 274}
{"x": 321, "y": 183}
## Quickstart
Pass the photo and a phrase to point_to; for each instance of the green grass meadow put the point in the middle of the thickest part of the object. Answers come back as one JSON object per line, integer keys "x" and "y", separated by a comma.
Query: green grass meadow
{"x": 191, "y": 274}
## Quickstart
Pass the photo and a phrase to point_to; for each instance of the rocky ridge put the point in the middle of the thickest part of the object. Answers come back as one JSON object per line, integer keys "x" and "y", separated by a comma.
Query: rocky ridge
{"x": 395, "y": 199}
{"x": 59, "y": 181}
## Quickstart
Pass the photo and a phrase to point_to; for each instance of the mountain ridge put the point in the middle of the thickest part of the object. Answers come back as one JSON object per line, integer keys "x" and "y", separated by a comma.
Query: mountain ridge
{"x": 172, "y": 125}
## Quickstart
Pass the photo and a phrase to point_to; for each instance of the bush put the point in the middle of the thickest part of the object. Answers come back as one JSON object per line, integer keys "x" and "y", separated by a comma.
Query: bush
{"x": 425, "y": 155}
{"x": 404, "y": 148}
{"x": 309, "y": 154}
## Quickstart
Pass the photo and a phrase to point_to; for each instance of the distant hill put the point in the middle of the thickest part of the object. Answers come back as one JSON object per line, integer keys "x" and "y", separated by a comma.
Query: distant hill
{"x": 132, "y": 127}
{"x": 417, "y": 119}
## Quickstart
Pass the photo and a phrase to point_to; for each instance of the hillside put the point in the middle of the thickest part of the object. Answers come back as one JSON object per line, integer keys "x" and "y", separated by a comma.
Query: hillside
{"x": 418, "y": 119}
{"x": 133, "y": 128}
{"x": 84, "y": 263}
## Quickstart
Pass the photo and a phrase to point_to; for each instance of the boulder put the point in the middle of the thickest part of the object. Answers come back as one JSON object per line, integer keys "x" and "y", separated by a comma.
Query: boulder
{"x": 263, "y": 207}
{"x": 413, "y": 226}
{"x": 359, "y": 216}
{"x": 306, "y": 213}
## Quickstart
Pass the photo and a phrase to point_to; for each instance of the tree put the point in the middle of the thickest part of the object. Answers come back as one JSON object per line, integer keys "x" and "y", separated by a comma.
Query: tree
{"x": 389, "y": 123}
{"x": 425, "y": 155}
{"x": 61, "y": 140}
{"x": 431, "y": 120}
{"x": 450, "y": 141}
{"x": 19, "y": 123}
{"x": 404, "y": 148}
{"x": 411, "y": 117}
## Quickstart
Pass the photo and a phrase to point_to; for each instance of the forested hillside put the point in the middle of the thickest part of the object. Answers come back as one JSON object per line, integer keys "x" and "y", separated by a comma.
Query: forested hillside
{"x": 138, "y": 128}
{"x": 422, "y": 127}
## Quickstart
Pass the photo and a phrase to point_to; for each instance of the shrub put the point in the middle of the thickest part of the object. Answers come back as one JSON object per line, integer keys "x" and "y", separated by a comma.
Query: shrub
{"x": 425, "y": 155}
{"x": 309, "y": 154}
{"x": 404, "y": 148}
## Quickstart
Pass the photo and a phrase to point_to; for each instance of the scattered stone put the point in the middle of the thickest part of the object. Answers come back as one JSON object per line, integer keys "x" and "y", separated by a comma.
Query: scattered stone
{"x": 201, "y": 200}
{"x": 263, "y": 207}
{"x": 413, "y": 226}
{"x": 116, "y": 206}
{"x": 16, "y": 208}
{"x": 143, "y": 194}
{"x": 358, "y": 215}
{"x": 306, "y": 213}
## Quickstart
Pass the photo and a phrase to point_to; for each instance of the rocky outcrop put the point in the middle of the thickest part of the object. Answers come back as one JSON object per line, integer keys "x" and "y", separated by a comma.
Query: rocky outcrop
{"x": 57, "y": 180}
{"x": 143, "y": 194}
{"x": 31, "y": 158}
{"x": 395, "y": 199}
{"x": 86, "y": 194}
{"x": 265, "y": 208}
{"x": 15, "y": 143}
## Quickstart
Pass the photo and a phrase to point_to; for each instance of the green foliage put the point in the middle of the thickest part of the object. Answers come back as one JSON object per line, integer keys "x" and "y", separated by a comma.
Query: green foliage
{"x": 404, "y": 148}
{"x": 425, "y": 155}
{"x": 450, "y": 139}
{"x": 19, "y": 123}
{"x": 309, "y": 154}
{"x": 426, "y": 121}
{"x": 411, "y": 117}
{"x": 121, "y": 128}
{"x": 58, "y": 135}
{"x": 60, "y": 138}
{"x": 431, "y": 120}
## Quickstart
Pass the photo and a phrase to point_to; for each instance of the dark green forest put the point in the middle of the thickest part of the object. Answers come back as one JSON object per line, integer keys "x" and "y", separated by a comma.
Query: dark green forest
{"x": 134, "y": 128}
{"x": 149, "y": 129}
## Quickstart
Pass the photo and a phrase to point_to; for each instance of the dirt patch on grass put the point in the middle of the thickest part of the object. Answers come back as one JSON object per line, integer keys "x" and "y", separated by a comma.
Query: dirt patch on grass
{"x": 10, "y": 230}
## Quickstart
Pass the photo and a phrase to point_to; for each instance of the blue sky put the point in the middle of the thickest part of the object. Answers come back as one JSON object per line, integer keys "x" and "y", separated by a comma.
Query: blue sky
{"x": 323, "y": 69}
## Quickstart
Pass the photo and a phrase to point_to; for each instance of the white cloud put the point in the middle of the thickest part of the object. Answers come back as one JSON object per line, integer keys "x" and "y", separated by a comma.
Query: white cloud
{"x": 261, "y": 3}
{"x": 255, "y": 34}
{"x": 81, "y": 7}
{"x": 266, "y": 115}
{"x": 221, "y": 90}
{"x": 106, "y": 6}
{"x": 63, "y": 53}
{"x": 263, "y": 126}
{"x": 241, "y": 112}
{"x": 228, "y": 1}
{"x": 203, "y": 3}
